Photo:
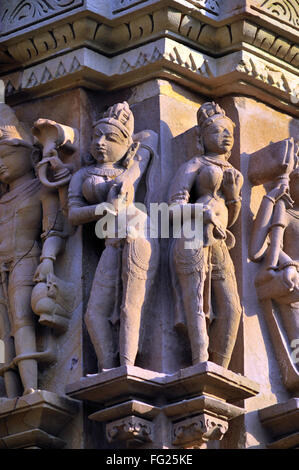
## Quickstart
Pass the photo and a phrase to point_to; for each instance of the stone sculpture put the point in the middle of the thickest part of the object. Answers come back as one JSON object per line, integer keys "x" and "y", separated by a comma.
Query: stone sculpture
{"x": 27, "y": 255}
{"x": 274, "y": 244}
{"x": 128, "y": 263}
{"x": 203, "y": 278}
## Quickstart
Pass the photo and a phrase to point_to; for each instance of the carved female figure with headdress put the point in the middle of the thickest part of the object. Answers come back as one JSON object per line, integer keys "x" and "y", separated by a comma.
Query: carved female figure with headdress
{"x": 128, "y": 263}
{"x": 203, "y": 277}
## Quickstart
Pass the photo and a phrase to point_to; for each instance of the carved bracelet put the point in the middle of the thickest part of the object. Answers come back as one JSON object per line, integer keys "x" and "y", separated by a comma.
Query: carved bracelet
{"x": 233, "y": 201}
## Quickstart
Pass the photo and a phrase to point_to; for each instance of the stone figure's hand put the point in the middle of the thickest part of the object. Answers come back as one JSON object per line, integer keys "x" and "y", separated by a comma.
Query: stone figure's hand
{"x": 232, "y": 184}
{"x": 291, "y": 278}
{"x": 54, "y": 161}
{"x": 281, "y": 192}
{"x": 44, "y": 270}
{"x": 127, "y": 193}
{"x": 113, "y": 196}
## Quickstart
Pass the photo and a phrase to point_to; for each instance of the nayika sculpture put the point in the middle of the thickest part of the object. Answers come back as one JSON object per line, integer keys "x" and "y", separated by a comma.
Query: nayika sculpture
{"x": 128, "y": 264}
{"x": 205, "y": 289}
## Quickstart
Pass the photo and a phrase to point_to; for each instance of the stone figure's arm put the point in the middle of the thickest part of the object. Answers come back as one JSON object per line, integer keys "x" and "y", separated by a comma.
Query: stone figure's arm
{"x": 179, "y": 192}
{"x": 258, "y": 242}
{"x": 231, "y": 187}
{"x": 80, "y": 212}
{"x": 130, "y": 179}
{"x": 262, "y": 223}
{"x": 53, "y": 235}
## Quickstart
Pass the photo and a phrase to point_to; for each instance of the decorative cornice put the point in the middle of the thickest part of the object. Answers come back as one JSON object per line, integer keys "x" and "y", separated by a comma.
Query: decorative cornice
{"x": 181, "y": 44}
{"x": 164, "y": 58}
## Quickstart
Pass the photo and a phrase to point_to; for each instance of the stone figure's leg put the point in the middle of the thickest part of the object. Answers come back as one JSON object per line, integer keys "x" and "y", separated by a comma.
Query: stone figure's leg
{"x": 190, "y": 268}
{"x": 11, "y": 379}
{"x": 224, "y": 329}
{"x": 140, "y": 262}
{"x": 290, "y": 318}
{"x": 100, "y": 307}
{"x": 23, "y": 321}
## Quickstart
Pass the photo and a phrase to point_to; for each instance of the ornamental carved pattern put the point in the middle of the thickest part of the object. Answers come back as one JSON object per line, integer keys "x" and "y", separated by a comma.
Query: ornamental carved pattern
{"x": 287, "y": 10}
{"x": 16, "y": 14}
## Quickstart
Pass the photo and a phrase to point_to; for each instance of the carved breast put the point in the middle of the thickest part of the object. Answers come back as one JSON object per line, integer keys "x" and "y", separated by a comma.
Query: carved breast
{"x": 95, "y": 188}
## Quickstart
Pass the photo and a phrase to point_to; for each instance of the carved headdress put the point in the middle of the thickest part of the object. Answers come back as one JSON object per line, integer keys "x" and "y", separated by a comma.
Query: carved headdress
{"x": 120, "y": 116}
{"x": 207, "y": 114}
{"x": 12, "y": 132}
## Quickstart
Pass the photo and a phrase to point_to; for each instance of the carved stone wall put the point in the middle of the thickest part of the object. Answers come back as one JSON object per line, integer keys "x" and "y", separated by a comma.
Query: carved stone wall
{"x": 162, "y": 77}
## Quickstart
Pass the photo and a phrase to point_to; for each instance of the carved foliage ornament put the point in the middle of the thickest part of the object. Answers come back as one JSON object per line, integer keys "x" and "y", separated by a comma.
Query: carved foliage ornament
{"x": 287, "y": 10}
{"x": 19, "y": 13}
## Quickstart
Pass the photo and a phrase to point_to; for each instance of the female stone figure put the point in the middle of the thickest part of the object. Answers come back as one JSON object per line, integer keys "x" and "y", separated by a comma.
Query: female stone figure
{"x": 203, "y": 277}
{"x": 128, "y": 263}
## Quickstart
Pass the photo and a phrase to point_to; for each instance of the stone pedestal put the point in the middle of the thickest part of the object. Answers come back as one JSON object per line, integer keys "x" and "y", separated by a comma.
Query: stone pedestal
{"x": 282, "y": 422}
{"x": 35, "y": 421}
{"x": 189, "y": 407}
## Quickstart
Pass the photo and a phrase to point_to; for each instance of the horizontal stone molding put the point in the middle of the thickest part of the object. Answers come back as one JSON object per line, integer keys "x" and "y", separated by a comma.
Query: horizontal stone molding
{"x": 193, "y": 403}
{"x": 164, "y": 58}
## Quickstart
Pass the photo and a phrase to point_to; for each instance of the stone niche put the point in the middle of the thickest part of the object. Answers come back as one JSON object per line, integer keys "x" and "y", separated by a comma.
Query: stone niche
{"x": 132, "y": 341}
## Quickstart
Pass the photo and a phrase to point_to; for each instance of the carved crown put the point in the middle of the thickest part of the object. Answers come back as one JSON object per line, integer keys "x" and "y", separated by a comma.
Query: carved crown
{"x": 121, "y": 116}
{"x": 208, "y": 112}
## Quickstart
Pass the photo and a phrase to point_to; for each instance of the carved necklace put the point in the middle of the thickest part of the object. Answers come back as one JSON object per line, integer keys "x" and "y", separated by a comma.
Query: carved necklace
{"x": 111, "y": 172}
{"x": 215, "y": 161}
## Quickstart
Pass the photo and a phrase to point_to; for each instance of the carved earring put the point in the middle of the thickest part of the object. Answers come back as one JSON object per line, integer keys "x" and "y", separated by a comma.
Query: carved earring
{"x": 128, "y": 160}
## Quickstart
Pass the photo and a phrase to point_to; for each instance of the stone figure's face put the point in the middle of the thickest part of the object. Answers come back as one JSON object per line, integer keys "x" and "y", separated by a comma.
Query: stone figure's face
{"x": 15, "y": 162}
{"x": 108, "y": 144}
{"x": 218, "y": 137}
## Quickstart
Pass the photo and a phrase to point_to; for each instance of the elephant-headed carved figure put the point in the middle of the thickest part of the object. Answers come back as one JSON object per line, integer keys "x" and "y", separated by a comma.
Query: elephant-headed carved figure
{"x": 203, "y": 276}
{"x": 33, "y": 231}
{"x": 106, "y": 189}
{"x": 274, "y": 245}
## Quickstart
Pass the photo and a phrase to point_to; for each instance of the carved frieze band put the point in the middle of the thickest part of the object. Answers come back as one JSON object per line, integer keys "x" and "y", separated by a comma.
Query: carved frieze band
{"x": 163, "y": 53}
{"x": 106, "y": 38}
